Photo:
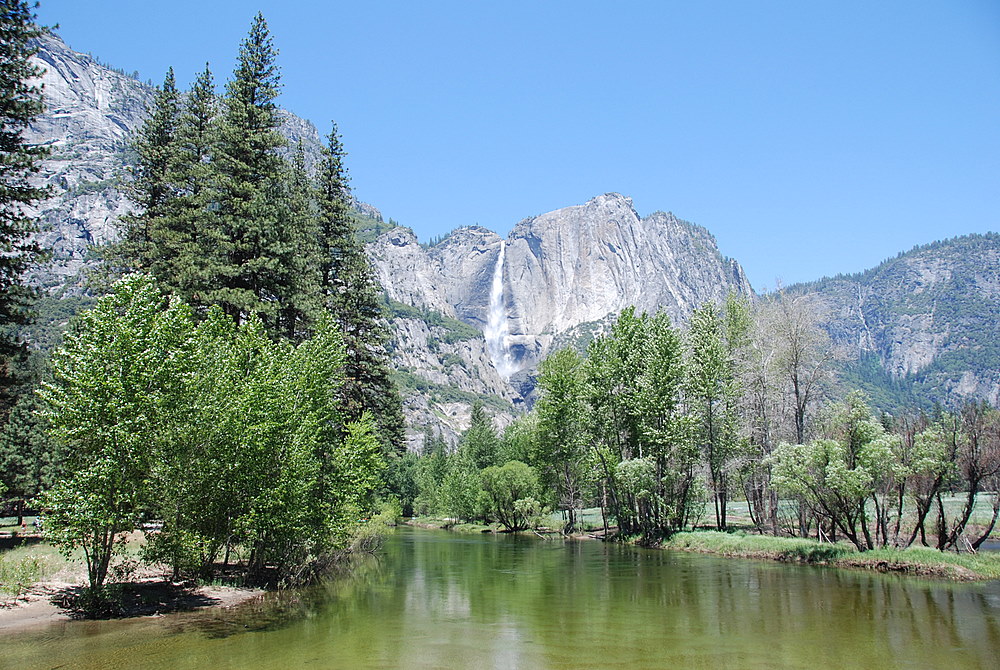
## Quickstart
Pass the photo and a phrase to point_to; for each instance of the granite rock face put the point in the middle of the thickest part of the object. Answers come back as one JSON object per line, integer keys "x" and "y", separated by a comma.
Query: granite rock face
{"x": 90, "y": 113}
{"x": 564, "y": 274}
{"x": 929, "y": 318}
{"x": 569, "y": 267}
{"x": 581, "y": 264}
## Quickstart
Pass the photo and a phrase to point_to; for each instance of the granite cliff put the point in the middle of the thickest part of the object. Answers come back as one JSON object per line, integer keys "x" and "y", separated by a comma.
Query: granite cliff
{"x": 920, "y": 328}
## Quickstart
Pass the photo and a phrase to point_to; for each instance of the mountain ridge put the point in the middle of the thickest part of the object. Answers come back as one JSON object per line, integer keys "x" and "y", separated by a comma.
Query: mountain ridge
{"x": 473, "y": 313}
{"x": 928, "y": 318}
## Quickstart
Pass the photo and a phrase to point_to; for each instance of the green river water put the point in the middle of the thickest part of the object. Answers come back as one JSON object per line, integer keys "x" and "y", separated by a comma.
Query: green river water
{"x": 440, "y": 600}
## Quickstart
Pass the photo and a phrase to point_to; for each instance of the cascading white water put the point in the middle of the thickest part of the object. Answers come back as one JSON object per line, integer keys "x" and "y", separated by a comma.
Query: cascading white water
{"x": 496, "y": 327}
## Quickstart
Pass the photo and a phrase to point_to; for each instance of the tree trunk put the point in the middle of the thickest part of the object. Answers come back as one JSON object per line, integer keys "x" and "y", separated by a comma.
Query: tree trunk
{"x": 993, "y": 523}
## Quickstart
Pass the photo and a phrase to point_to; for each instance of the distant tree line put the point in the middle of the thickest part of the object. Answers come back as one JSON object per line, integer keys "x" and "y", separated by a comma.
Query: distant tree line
{"x": 662, "y": 428}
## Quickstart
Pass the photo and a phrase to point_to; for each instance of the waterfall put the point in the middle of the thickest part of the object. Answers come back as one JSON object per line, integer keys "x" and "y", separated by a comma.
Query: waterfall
{"x": 496, "y": 327}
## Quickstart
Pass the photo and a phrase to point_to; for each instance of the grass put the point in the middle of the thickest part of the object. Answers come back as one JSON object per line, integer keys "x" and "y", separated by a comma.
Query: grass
{"x": 789, "y": 549}
{"x": 8, "y": 524}
{"x": 23, "y": 566}
{"x": 929, "y": 562}
{"x": 915, "y": 560}
{"x": 18, "y": 575}
{"x": 738, "y": 514}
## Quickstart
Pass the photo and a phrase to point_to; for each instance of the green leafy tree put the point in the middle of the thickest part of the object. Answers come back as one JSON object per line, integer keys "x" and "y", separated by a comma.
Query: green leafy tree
{"x": 974, "y": 452}
{"x": 402, "y": 480}
{"x": 20, "y": 104}
{"x": 614, "y": 364}
{"x": 562, "y": 433}
{"x": 837, "y": 477}
{"x": 460, "y": 489}
{"x": 430, "y": 474}
{"x": 639, "y": 496}
{"x": 112, "y": 380}
{"x": 512, "y": 491}
{"x": 234, "y": 440}
{"x": 712, "y": 393}
{"x": 635, "y": 386}
{"x": 519, "y": 439}
{"x": 666, "y": 431}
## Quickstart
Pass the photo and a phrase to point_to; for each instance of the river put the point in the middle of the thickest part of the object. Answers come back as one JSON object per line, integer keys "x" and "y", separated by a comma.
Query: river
{"x": 439, "y": 600}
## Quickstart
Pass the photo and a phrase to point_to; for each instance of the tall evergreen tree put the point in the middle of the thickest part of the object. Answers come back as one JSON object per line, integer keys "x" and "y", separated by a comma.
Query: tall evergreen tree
{"x": 249, "y": 171}
{"x": 335, "y": 228}
{"x": 480, "y": 441}
{"x": 351, "y": 294}
{"x": 303, "y": 299}
{"x": 188, "y": 239}
{"x": 20, "y": 103}
{"x": 151, "y": 189}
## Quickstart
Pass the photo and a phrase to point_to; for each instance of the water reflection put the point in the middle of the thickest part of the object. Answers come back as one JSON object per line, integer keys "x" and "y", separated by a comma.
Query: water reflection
{"x": 437, "y": 600}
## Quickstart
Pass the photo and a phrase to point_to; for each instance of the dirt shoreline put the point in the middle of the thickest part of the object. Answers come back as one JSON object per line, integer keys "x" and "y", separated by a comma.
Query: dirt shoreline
{"x": 149, "y": 597}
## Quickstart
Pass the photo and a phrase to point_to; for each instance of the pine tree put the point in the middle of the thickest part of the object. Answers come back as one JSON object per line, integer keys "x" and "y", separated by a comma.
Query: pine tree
{"x": 303, "y": 300}
{"x": 335, "y": 227}
{"x": 352, "y": 295}
{"x": 151, "y": 189}
{"x": 249, "y": 171}
{"x": 480, "y": 441}
{"x": 20, "y": 103}
{"x": 30, "y": 460}
{"x": 188, "y": 239}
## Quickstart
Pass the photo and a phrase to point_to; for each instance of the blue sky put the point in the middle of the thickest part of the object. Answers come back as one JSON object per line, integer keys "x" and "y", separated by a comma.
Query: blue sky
{"x": 810, "y": 138}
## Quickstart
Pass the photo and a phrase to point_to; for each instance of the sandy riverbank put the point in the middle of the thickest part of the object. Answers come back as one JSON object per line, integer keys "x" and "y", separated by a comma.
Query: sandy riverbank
{"x": 152, "y": 596}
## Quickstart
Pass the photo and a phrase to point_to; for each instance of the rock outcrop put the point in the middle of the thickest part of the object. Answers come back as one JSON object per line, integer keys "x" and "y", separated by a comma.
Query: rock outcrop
{"x": 569, "y": 267}
{"x": 581, "y": 264}
{"x": 90, "y": 113}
